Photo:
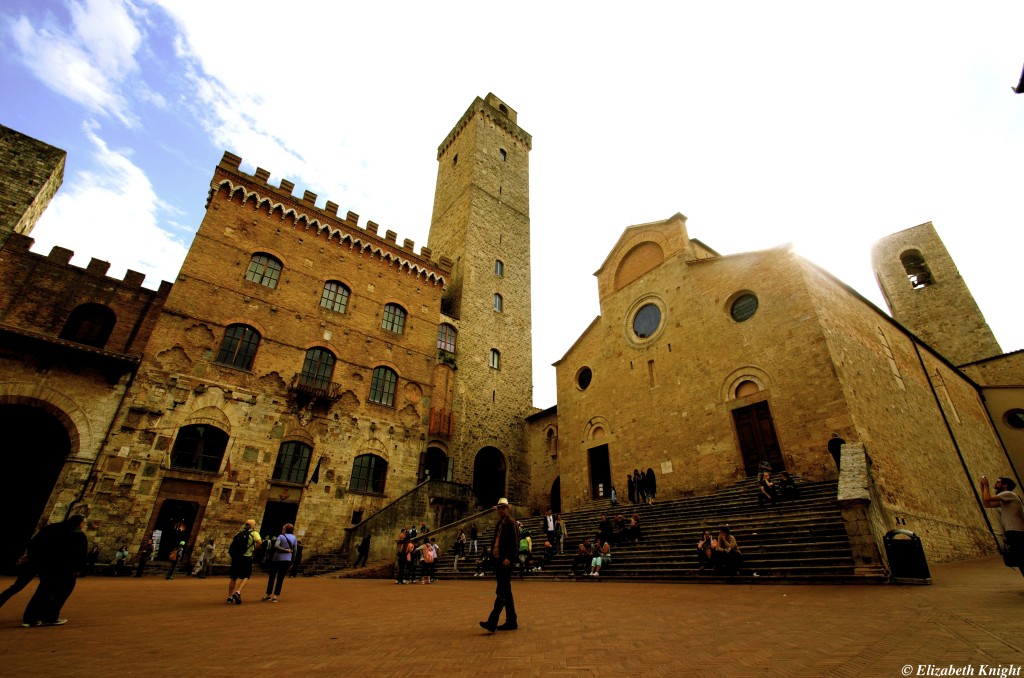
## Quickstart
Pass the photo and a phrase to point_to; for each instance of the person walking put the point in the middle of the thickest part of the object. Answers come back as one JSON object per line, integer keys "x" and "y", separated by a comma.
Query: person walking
{"x": 145, "y": 553}
{"x": 176, "y": 555}
{"x": 25, "y": 572}
{"x": 58, "y": 551}
{"x": 243, "y": 545}
{"x": 1011, "y": 516}
{"x": 284, "y": 547}
{"x": 362, "y": 552}
{"x": 205, "y": 560}
{"x": 504, "y": 548}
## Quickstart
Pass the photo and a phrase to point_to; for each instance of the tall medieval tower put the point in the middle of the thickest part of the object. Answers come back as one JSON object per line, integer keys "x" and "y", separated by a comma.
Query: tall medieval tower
{"x": 481, "y": 221}
{"x": 925, "y": 293}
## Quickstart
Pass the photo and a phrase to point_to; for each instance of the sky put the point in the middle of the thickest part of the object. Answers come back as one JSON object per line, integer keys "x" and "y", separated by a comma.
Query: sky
{"x": 824, "y": 125}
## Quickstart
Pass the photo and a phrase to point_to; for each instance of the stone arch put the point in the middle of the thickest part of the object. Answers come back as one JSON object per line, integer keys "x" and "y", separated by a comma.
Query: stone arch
{"x": 84, "y": 444}
{"x": 213, "y": 416}
{"x": 598, "y": 428}
{"x": 642, "y": 258}
{"x": 746, "y": 373}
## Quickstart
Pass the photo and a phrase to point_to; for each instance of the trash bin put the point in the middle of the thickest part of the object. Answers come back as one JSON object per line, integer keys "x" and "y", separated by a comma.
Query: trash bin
{"x": 907, "y": 564}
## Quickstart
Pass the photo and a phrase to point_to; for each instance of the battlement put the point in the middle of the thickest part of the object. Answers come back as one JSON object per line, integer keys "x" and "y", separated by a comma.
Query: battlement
{"x": 495, "y": 110}
{"x": 19, "y": 244}
{"x": 281, "y": 200}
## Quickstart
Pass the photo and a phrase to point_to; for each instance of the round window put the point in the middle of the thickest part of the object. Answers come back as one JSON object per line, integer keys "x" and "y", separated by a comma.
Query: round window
{"x": 583, "y": 378}
{"x": 744, "y": 307}
{"x": 646, "y": 321}
{"x": 1014, "y": 418}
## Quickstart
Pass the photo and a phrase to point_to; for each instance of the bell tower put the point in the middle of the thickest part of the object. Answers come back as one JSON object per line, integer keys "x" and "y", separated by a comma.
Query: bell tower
{"x": 925, "y": 293}
{"x": 481, "y": 221}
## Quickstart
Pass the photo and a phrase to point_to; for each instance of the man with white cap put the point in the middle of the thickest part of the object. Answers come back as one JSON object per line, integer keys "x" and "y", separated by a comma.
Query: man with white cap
{"x": 504, "y": 547}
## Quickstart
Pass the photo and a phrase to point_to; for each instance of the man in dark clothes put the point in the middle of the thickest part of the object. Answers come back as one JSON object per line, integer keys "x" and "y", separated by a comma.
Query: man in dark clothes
{"x": 59, "y": 553}
{"x": 362, "y": 551}
{"x": 505, "y": 548}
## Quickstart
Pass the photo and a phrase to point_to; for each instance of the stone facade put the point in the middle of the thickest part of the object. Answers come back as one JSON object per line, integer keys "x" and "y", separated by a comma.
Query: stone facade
{"x": 33, "y": 171}
{"x": 925, "y": 293}
{"x": 307, "y": 368}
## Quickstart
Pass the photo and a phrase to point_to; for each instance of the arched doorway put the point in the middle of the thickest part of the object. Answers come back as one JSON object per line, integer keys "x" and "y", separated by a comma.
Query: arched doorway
{"x": 437, "y": 465}
{"x": 34, "y": 448}
{"x": 175, "y": 522}
{"x": 489, "y": 476}
{"x": 556, "y": 496}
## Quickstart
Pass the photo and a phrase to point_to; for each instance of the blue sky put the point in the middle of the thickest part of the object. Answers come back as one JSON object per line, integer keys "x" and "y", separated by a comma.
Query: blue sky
{"x": 824, "y": 125}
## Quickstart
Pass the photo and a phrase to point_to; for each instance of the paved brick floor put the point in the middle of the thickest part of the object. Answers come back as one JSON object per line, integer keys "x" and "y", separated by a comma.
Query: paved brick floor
{"x": 969, "y": 617}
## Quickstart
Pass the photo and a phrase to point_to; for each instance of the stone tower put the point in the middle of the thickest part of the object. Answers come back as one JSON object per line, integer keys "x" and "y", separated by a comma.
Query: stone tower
{"x": 481, "y": 221}
{"x": 925, "y": 293}
{"x": 33, "y": 171}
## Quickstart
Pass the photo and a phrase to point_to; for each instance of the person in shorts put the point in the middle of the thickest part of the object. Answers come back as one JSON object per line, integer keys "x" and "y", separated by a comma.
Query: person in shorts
{"x": 241, "y": 565}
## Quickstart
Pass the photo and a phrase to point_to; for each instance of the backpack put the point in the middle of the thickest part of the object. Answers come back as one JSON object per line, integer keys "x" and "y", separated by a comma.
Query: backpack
{"x": 239, "y": 544}
{"x": 173, "y": 556}
{"x": 524, "y": 546}
{"x": 428, "y": 554}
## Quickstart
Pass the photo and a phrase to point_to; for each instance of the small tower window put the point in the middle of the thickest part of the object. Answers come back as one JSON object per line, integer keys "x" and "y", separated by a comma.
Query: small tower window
{"x": 455, "y": 160}
{"x": 499, "y": 268}
{"x": 917, "y": 270}
{"x": 503, "y": 154}
{"x": 498, "y": 303}
{"x": 495, "y": 360}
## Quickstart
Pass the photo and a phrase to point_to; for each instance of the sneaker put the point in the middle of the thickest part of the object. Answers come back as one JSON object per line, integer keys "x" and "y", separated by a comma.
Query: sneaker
{"x": 231, "y": 600}
{"x": 273, "y": 600}
{"x": 238, "y": 597}
{"x": 56, "y": 622}
{"x": 489, "y": 626}
{"x": 264, "y": 599}
{"x": 28, "y": 625}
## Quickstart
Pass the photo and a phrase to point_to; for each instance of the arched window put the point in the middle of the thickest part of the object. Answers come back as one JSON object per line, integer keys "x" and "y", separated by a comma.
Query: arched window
{"x": 917, "y": 270}
{"x": 499, "y": 268}
{"x": 335, "y": 296}
{"x": 89, "y": 324}
{"x": 264, "y": 270}
{"x": 498, "y": 302}
{"x": 394, "y": 318}
{"x": 317, "y": 369}
{"x": 238, "y": 348}
{"x": 446, "y": 337}
{"x": 382, "y": 386}
{"x": 495, "y": 360}
{"x": 292, "y": 462}
{"x": 199, "y": 447}
{"x": 368, "y": 474}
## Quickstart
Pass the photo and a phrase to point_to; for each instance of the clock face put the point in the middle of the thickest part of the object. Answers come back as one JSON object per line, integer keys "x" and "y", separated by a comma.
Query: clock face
{"x": 646, "y": 321}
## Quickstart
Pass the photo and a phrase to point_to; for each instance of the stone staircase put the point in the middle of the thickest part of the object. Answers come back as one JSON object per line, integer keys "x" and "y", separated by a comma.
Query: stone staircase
{"x": 798, "y": 541}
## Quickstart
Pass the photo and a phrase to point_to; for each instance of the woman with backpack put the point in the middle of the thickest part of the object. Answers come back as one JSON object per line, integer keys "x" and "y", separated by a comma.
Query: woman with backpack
{"x": 284, "y": 547}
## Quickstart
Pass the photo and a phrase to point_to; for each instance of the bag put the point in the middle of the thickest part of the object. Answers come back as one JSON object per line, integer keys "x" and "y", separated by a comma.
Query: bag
{"x": 173, "y": 556}
{"x": 524, "y": 546}
{"x": 428, "y": 555}
{"x": 239, "y": 544}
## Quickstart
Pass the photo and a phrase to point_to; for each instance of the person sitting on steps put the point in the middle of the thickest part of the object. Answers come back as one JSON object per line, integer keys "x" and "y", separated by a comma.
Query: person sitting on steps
{"x": 767, "y": 492}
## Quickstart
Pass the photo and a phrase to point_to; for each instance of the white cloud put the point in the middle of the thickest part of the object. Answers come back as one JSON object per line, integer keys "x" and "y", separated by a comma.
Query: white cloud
{"x": 111, "y": 213}
{"x": 90, "y": 64}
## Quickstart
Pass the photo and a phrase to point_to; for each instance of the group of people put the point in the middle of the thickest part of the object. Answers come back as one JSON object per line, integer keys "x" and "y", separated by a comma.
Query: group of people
{"x": 721, "y": 553}
{"x": 410, "y": 558}
{"x": 642, "y": 486}
{"x": 244, "y": 548}
{"x": 769, "y": 492}
{"x": 591, "y": 556}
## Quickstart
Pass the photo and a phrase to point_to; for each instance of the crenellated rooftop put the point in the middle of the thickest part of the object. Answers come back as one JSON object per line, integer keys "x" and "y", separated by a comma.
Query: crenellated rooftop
{"x": 97, "y": 267}
{"x": 346, "y": 229}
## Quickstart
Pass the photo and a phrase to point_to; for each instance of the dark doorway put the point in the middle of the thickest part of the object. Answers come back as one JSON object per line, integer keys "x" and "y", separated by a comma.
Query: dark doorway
{"x": 34, "y": 447}
{"x": 437, "y": 465}
{"x": 175, "y": 522}
{"x": 489, "y": 476}
{"x": 275, "y": 515}
{"x": 600, "y": 472}
{"x": 757, "y": 438}
{"x": 556, "y": 496}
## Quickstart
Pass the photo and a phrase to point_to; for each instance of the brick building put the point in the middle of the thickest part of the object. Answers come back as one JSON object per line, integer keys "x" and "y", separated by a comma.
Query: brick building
{"x": 306, "y": 368}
